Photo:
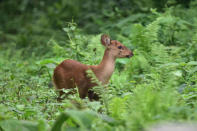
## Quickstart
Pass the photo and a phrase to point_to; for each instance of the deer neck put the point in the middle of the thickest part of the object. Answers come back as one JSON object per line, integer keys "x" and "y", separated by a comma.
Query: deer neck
{"x": 105, "y": 69}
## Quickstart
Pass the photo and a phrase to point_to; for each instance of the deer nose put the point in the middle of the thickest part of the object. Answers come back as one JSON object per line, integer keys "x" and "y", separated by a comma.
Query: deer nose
{"x": 130, "y": 55}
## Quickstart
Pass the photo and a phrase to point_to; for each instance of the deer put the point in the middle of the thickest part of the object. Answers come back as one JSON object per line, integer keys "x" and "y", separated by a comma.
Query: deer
{"x": 71, "y": 74}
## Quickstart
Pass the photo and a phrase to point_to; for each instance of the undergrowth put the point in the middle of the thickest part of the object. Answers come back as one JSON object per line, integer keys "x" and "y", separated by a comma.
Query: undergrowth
{"x": 158, "y": 84}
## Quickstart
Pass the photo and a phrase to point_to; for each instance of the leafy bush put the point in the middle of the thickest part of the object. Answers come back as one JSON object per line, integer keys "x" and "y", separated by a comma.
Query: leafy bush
{"x": 158, "y": 84}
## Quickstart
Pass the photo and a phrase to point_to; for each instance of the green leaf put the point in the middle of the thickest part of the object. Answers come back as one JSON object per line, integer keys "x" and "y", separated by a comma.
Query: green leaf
{"x": 20, "y": 107}
{"x": 45, "y": 61}
{"x": 123, "y": 61}
{"x": 66, "y": 29}
{"x": 13, "y": 125}
{"x": 192, "y": 63}
{"x": 83, "y": 119}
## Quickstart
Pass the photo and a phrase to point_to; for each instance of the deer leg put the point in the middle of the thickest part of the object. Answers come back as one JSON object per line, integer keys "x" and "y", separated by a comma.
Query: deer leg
{"x": 82, "y": 91}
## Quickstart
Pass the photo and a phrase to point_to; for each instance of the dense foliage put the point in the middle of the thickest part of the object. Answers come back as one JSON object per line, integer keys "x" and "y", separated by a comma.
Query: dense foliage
{"x": 158, "y": 84}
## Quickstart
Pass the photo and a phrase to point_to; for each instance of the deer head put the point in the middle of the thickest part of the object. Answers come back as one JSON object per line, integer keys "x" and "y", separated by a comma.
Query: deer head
{"x": 116, "y": 49}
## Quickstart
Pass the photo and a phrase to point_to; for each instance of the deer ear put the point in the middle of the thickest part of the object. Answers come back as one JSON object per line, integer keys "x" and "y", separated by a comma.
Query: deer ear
{"x": 105, "y": 40}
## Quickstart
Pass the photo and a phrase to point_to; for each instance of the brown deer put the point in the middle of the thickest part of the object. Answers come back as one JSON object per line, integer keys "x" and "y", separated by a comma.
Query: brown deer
{"x": 70, "y": 73}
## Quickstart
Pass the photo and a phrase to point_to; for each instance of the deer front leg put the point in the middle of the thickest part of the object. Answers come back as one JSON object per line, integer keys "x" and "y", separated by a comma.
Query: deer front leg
{"x": 83, "y": 91}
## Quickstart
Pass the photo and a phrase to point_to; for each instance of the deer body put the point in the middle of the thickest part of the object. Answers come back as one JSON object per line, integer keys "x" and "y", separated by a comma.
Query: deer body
{"x": 70, "y": 73}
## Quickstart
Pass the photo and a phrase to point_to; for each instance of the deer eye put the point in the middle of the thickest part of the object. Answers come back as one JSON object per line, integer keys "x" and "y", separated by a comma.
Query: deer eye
{"x": 119, "y": 47}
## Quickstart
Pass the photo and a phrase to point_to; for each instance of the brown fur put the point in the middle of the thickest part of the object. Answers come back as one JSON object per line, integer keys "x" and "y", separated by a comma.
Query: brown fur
{"x": 70, "y": 73}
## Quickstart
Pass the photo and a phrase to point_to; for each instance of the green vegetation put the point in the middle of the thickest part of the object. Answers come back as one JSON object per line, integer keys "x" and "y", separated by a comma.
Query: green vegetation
{"x": 158, "y": 84}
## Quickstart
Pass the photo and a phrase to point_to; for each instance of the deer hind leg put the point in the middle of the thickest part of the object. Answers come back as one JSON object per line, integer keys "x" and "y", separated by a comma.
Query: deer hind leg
{"x": 59, "y": 89}
{"x": 61, "y": 84}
